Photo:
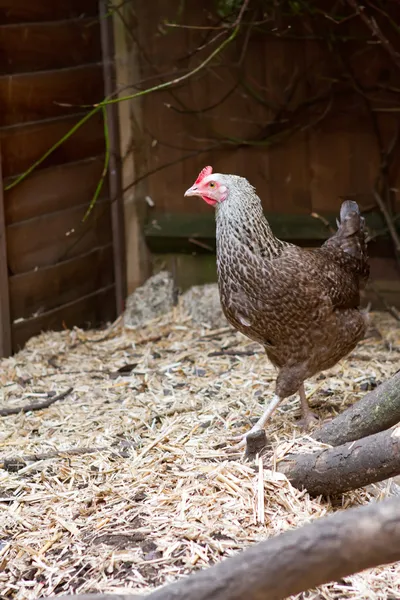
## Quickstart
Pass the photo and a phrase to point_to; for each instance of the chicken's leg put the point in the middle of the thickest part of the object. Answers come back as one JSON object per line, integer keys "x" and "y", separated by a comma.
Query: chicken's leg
{"x": 262, "y": 420}
{"x": 307, "y": 416}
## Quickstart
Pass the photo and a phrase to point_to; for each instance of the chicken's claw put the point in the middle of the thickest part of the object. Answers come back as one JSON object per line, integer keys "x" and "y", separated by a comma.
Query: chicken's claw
{"x": 308, "y": 421}
{"x": 253, "y": 442}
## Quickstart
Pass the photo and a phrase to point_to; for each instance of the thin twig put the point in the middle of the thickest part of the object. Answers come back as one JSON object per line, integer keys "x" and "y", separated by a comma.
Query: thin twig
{"x": 388, "y": 307}
{"x": 105, "y": 165}
{"x": 324, "y": 221}
{"x": 15, "y": 410}
{"x": 235, "y": 352}
{"x": 389, "y": 221}
{"x": 15, "y": 463}
{"x": 376, "y": 31}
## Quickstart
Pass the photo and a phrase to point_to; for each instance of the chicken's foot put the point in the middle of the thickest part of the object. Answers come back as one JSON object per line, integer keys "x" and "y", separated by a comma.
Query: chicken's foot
{"x": 308, "y": 418}
{"x": 261, "y": 421}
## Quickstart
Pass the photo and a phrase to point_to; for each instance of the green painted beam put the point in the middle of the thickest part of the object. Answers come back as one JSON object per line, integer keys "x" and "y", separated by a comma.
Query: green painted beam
{"x": 168, "y": 232}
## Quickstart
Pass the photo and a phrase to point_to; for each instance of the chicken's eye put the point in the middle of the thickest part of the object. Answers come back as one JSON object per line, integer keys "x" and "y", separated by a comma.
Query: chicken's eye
{"x": 211, "y": 184}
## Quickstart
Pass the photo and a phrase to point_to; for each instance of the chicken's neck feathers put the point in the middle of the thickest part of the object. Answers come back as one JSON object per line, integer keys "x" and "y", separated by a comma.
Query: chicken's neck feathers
{"x": 241, "y": 222}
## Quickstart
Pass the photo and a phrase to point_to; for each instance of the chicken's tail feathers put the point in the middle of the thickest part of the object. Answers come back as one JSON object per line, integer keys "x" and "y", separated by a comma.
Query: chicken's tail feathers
{"x": 352, "y": 233}
{"x": 351, "y": 220}
{"x": 351, "y": 236}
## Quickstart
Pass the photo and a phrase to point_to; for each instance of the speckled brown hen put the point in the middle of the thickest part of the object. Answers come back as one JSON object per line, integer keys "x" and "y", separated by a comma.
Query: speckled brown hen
{"x": 302, "y": 305}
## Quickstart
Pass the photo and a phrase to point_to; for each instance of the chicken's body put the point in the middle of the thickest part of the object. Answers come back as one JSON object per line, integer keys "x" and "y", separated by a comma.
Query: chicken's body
{"x": 301, "y": 305}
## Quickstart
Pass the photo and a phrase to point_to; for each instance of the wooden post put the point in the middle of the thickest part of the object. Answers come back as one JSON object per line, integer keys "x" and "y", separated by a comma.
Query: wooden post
{"x": 5, "y": 322}
{"x": 115, "y": 166}
{"x": 133, "y": 146}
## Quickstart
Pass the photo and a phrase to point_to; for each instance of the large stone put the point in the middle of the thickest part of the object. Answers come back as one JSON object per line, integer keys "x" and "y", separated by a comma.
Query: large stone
{"x": 202, "y": 303}
{"x": 156, "y": 297}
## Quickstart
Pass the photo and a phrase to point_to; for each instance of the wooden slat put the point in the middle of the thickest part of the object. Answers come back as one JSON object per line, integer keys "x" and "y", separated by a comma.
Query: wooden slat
{"x": 5, "y": 328}
{"x": 167, "y": 232}
{"x": 90, "y": 311}
{"x": 52, "y": 238}
{"x": 165, "y": 54}
{"x": 47, "y": 288}
{"x": 42, "y": 46}
{"x": 54, "y": 189}
{"x": 198, "y": 269}
{"x": 37, "y": 96}
{"x": 29, "y": 11}
{"x": 23, "y": 145}
{"x": 338, "y": 167}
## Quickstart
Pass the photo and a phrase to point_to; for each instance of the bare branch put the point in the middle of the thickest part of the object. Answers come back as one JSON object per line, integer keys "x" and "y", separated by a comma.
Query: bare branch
{"x": 376, "y": 411}
{"x": 376, "y": 31}
{"x": 347, "y": 467}
{"x": 323, "y": 551}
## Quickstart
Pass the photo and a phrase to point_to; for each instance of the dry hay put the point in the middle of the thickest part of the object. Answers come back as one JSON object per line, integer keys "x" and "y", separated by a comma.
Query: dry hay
{"x": 161, "y": 497}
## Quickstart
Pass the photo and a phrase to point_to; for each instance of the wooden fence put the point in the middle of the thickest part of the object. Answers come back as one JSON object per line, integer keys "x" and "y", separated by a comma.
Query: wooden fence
{"x": 57, "y": 270}
{"x": 277, "y": 111}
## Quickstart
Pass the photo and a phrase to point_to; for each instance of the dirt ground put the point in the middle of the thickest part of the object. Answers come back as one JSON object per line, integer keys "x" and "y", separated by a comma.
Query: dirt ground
{"x": 127, "y": 482}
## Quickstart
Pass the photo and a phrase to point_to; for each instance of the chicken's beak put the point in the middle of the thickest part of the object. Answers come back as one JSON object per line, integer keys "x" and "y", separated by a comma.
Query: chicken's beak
{"x": 192, "y": 191}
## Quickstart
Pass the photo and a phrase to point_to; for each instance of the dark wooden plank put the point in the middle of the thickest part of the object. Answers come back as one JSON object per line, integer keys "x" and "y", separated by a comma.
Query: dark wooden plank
{"x": 39, "y": 291}
{"x": 90, "y": 311}
{"x": 42, "y": 46}
{"x": 5, "y": 323}
{"x": 54, "y": 189}
{"x": 23, "y": 145}
{"x": 284, "y": 226}
{"x": 28, "y": 11}
{"x": 37, "y": 96}
{"x": 53, "y": 238}
{"x": 115, "y": 166}
{"x": 167, "y": 232}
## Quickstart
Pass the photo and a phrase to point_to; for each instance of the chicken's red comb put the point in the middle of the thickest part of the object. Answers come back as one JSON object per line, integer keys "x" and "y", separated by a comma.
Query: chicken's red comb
{"x": 204, "y": 173}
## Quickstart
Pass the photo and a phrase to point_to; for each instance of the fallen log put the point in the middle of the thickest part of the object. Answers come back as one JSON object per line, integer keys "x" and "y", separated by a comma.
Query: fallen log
{"x": 295, "y": 561}
{"x": 376, "y": 411}
{"x": 347, "y": 467}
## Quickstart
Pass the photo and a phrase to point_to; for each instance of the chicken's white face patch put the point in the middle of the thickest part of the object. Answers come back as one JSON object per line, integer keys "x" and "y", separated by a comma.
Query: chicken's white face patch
{"x": 212, "y": 190}
{"x": 209, "y": 187}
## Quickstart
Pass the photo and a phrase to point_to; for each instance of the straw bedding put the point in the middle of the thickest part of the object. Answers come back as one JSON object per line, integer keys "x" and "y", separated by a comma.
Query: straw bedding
{"x": 160, "y": 495}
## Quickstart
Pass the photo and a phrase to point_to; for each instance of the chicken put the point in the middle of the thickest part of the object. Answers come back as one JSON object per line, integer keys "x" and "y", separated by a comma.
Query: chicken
{"x": 301, "y": 304}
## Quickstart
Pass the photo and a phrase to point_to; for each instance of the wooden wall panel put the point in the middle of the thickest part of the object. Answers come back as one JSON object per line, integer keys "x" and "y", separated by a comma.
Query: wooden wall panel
{"x": 60, "y": 269}
{"x": 89, "y": 311}
{"x": 332, "y": 150}
{"x": 55, "y": 237}
{"x": 24, "y": 144}
{"x": 29, "y": 11}
{"x": 44, "y": 289}
{"x": 54, "y": 189}
{"x": 49, "y": 94}
{"x": 233, "y": 115}
{"x": 41, "y": 46}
